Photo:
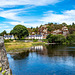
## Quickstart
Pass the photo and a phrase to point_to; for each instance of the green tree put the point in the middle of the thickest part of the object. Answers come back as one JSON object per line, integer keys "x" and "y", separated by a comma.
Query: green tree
{"x": 4, "y": 32}
{"x": 73, "y": 23}
{"x": 36, "y": 30}
{"x": 60, "y": 38}
{"x": 71, "y": 38}
{"x": 51, "y": 38}
{"x": 56, "y": 38}
{"x": 31, "y": 27}
{"x": 20, "y": 31}
{"x": 64, "y": 24}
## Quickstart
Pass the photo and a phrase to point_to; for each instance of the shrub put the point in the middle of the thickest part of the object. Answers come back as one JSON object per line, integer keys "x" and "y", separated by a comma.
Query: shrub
{"x": 35, "y": 40}
{"x": 45, "y": 40}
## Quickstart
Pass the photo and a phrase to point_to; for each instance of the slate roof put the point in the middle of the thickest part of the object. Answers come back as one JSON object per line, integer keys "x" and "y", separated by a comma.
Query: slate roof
{"x": 35, "y": 35}
{"x": 8, "y": 36}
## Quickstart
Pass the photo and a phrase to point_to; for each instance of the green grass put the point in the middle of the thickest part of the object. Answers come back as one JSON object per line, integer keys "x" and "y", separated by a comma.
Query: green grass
{"x": 0, "y": 69}
{"x": 20, "y": 46}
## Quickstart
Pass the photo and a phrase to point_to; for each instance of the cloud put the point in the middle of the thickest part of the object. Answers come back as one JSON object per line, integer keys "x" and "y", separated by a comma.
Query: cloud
{"x": 14, "y": 14}
{"x": 6, "y": 3}
{"x": 11, "y": 14}
{"x": 2, "y": 24}
{"x": 1, "y": 9}
{"x": 8, "y": 30}
{"x": 26, "y": 24}
{"x": 66, "y": 16}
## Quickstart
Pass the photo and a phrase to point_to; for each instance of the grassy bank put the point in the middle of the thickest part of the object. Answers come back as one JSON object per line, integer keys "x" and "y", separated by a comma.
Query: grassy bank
{"x": 17, "y": 46}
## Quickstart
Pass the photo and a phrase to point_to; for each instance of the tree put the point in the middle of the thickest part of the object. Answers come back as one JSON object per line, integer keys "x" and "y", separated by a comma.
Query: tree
{"x": 4, "y": 32}
{"x": 56, "y": 38}
{"x": 49, "y": 28}
{"x": 31, "y": 27}
{"x": 60, "y": 38}
{"x": 51, "y": 38}
{"x": 64, "y": 24}
{"x": 20, "y": 31}
{"x": 73, "y": 23}
{"x": 36, "y": 30}
{"x": 71, "y": 38}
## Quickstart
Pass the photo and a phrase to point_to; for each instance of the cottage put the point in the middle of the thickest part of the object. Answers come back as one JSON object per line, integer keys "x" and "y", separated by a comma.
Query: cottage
{"x": 64, "y": 31}
{"x": 43, "y": 30}
{"x": 55, "y": 32}
{"x": 35, "y": 37}
{"x": 8, "y": 37}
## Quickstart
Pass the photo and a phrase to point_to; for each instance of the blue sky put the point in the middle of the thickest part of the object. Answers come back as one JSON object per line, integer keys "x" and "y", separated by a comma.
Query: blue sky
{"x": 32, "y": 13}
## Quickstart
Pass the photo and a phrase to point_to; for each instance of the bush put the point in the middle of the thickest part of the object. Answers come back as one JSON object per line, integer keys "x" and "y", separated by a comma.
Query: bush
{"x": 8, "y": 40}
{"x": 71, "y": 38}
{"x": 35, "y": 40}
{"x": 45, "y": 40}
{"x": 56, "y": 38}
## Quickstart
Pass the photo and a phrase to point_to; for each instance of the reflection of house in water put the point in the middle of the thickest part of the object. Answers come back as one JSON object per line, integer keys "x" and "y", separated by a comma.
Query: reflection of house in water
{"x": 40, "y": 50}
{"x": 53, "y": 51}
{"x": 37, "y": 48}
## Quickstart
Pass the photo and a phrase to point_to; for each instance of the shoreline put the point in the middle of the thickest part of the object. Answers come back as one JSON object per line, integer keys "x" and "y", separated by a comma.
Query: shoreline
{"x": 20, "y": 46}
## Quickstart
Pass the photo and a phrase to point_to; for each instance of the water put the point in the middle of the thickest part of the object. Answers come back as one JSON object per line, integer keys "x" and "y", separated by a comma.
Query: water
{"x": 47, "y": 60}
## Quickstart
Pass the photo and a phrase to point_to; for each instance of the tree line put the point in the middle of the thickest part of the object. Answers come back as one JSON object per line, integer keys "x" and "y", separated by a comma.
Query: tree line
{"x": 21, "y": 31}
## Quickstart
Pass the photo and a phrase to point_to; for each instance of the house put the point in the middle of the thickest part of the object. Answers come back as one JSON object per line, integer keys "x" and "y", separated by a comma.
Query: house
{"x": 55, "y": 32}
{"x": 43, "y": 30}
{"x": 35, "y": 37}
{"x": 64, "y": 31}
{"x": 8, "y": 37}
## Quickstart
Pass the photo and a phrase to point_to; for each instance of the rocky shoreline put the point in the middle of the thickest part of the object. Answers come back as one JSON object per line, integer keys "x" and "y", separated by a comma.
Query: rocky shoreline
{"x": 4, "y": 64}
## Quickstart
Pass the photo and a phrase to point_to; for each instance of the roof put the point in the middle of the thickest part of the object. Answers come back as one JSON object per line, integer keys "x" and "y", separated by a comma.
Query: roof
{"x": 8, "y": 36}
{"x": 35, "y": 35}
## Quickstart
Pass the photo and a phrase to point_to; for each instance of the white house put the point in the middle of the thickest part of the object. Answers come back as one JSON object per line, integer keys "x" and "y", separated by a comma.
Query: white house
{"x": 8, "y": 37}
{"x": 35, "y": 37}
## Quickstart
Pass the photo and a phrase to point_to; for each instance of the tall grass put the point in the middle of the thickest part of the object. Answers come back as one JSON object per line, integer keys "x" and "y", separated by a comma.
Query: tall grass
{"x": 15, "y": 46}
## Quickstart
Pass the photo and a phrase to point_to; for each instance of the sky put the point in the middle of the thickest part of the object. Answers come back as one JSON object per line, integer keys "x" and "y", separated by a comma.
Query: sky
{"x": 32, "y": 13}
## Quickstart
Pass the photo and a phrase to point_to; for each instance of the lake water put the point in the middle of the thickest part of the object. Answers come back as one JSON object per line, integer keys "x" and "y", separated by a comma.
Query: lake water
{"x": 45, "y": 60}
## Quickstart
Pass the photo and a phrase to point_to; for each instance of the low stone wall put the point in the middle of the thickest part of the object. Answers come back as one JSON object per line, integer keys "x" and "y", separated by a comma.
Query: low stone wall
{"x": 4, "y": 65}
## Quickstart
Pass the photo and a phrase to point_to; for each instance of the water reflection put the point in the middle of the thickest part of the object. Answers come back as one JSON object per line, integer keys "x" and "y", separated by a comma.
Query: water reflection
{"x": 45, "y": 60}
{"x": 20, "y": 56}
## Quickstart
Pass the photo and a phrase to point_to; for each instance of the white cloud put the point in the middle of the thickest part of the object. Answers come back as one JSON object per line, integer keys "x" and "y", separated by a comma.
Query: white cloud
{"x": 11, "y": 14}
{"x": 8, "y": 30}
{"x": 1, "y": 9}
{"x": 6, "y": 27}
{"x": 4, "y": 3}
{"x": 66, "y": 16}
{"x": 26, "y": 24}
{"x": 2, "y": 24}
{"x": 15, "y": 23}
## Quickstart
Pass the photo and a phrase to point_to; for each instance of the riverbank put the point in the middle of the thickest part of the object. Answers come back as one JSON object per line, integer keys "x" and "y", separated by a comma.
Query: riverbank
{"x": 20, "y": 46}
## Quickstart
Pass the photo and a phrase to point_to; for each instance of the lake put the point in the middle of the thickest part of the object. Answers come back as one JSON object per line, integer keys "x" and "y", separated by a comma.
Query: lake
{"x": 44, "y": 60}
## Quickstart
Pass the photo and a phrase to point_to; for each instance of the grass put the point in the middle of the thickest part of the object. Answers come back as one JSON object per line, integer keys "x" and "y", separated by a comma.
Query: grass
{"x": 17, "y": 46}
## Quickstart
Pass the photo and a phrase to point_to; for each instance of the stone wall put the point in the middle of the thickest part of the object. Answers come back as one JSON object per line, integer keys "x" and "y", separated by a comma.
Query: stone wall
{"x": 4, "y": 65}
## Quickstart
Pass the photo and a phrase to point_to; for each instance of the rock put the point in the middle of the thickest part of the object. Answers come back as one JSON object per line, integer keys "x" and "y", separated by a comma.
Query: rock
{"x": 0, "y": 64}
{"x": 4, "y": 65}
